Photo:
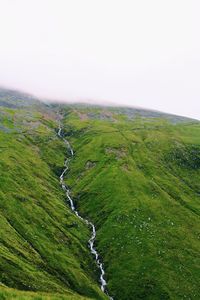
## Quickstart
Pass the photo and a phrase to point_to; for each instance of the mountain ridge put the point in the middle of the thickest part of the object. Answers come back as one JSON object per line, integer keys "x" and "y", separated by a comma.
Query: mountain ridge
{"x": 16, "y": 95}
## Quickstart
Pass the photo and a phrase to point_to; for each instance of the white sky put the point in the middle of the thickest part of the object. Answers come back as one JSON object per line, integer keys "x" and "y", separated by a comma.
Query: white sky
{"x": 139, "y": 52}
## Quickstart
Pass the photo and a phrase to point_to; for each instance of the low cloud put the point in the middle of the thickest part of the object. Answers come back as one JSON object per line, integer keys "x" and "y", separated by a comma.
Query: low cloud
{"x": 138, "y": 53}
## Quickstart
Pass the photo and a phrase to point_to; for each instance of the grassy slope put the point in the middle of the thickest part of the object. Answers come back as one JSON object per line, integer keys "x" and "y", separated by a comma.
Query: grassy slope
{"x": 43, "y": 246}
{"x": 139, "y": 182}
{"x": 8, "y": 293}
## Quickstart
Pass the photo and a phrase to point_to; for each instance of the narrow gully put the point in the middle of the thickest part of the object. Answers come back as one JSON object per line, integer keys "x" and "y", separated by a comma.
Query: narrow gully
{"x": 91, "y": 241}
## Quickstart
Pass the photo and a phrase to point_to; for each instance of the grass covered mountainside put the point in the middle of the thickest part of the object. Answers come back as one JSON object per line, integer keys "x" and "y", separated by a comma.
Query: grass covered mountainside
{"x": 135, "y": 174}
{"x": 43, "y": 246}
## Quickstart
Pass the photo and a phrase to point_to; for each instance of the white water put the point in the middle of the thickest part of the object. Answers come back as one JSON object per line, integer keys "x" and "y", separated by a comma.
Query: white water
{"x": 91, "y": 241}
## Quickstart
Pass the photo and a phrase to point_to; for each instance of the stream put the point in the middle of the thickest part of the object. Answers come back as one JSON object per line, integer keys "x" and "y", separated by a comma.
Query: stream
{"x": 91, "y": 241}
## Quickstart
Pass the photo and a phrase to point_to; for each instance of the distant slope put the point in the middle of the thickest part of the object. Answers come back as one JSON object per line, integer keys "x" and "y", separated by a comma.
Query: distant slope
{"x": 14, "y": 99}
{"x": 107, "y": 112}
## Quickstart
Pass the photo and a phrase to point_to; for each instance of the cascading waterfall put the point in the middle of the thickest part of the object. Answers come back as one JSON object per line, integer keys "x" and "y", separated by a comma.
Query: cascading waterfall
{"x": 91, "y": 241}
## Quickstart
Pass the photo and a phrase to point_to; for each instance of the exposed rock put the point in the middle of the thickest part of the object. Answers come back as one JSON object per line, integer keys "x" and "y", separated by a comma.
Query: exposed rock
{"x": 90, "y": 164}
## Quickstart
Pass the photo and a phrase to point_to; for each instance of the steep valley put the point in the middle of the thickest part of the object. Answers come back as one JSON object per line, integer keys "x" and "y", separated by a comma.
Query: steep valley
{"x": 135, "y": 174}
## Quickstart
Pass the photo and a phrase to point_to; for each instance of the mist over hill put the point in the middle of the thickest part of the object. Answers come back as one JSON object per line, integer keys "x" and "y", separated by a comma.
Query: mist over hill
{"x": 13, "y": 99}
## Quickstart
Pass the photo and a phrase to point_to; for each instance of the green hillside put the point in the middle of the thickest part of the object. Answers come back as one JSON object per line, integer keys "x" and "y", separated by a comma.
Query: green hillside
{"x": 138, "y": 179}
{"x": 43, "y": 246}
{"x": 135, "y": 174}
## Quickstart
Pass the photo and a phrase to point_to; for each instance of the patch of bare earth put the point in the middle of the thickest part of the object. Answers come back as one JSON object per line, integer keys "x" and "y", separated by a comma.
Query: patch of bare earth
{"x": 118, "y": 152}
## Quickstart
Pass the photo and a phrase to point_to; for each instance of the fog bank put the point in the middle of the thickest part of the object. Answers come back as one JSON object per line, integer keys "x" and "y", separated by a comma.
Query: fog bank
{"x": 139, "y": 53}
